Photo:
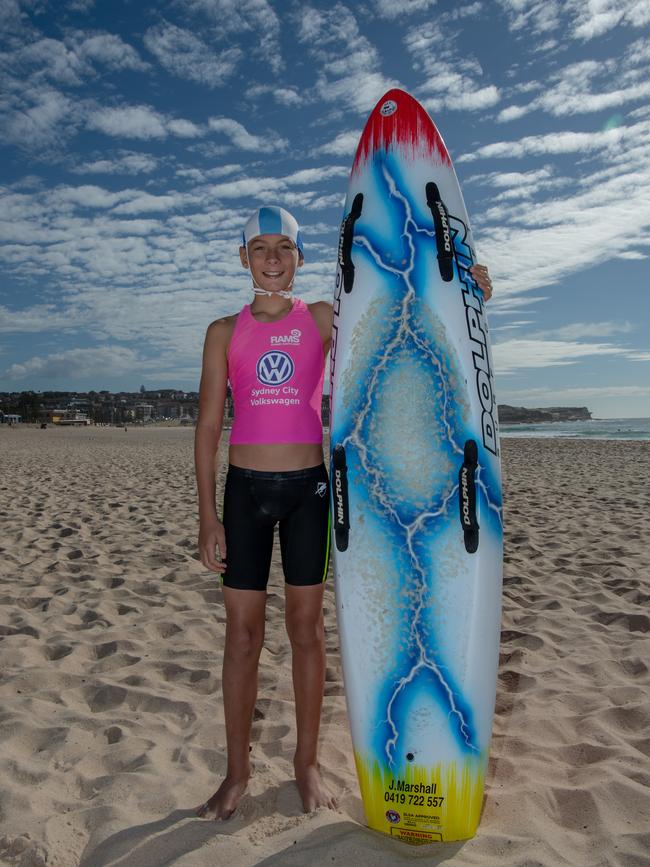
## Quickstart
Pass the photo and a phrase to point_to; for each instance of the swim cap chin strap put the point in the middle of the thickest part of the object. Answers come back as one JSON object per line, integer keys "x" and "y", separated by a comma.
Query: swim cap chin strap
{"x": 283, "y": 293}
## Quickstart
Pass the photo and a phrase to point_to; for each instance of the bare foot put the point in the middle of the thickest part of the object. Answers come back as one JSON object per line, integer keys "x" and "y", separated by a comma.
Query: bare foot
{"x": 313, "y": 791}
{"x": 225, "y": 800}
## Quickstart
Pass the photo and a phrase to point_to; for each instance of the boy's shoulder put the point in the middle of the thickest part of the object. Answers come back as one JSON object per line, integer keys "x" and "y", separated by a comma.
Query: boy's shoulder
{"x": 224, "y": 322}
{"x": 223, "y": 327}
{"x": 321, "y": 310}
{"x": 319, "y": 305}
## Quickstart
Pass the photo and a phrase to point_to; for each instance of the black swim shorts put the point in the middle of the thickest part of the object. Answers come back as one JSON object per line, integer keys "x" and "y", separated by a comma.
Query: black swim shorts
{"x": 254, "y": 502}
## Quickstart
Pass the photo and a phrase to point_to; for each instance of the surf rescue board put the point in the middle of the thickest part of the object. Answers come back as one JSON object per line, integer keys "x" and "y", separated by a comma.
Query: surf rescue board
{"x": 416, "y": 484}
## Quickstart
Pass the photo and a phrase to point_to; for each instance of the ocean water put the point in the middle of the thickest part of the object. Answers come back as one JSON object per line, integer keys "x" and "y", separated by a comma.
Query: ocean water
{"x": 595, "y": 429}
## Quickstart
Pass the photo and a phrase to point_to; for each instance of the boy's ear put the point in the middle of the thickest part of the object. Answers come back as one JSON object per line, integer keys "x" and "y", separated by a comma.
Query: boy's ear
{"x": 243, "y": 255}
{"x": 301, "y": 259}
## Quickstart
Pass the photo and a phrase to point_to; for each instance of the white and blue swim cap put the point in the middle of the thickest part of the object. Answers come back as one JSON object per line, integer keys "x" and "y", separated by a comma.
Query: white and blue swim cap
{"x": 272, "y": 220}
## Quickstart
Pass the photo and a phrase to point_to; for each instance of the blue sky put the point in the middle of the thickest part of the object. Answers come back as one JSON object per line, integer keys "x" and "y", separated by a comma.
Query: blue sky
{"x": 136, "y": 138}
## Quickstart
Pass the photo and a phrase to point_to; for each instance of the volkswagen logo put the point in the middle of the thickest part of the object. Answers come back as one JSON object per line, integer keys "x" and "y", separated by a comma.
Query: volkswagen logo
{"x": 275, "y": 368}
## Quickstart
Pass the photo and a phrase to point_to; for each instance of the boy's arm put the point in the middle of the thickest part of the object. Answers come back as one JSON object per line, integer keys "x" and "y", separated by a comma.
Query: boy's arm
{"x": 322, "y": 314}
{"x": 212, "y": 399}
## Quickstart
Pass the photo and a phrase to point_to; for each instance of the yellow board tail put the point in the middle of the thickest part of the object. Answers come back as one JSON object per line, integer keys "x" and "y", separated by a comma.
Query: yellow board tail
{"x": 423, "y": 805}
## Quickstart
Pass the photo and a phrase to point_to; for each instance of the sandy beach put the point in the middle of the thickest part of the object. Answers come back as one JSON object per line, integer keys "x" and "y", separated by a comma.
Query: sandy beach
{"x": 111, "y": 636}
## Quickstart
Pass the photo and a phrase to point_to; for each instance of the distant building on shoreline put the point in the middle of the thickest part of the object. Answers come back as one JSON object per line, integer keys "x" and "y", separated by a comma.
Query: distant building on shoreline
{"x": 10, "y": 418}
{"x": 98, "y": 407}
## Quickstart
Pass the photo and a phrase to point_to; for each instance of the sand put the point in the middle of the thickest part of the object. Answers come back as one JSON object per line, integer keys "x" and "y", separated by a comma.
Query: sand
{"x": 111, "y": 723}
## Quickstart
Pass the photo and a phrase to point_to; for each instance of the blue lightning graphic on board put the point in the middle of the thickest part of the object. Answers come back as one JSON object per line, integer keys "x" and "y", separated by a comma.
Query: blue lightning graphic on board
{"x": 405, "y": 333}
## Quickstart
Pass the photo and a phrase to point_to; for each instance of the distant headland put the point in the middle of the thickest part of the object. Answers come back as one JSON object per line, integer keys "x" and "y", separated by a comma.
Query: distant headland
{"x": 525, "y": 415}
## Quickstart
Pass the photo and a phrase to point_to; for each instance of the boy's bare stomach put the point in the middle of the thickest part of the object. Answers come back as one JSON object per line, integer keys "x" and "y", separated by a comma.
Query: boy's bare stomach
{"x": 276, "y": 457}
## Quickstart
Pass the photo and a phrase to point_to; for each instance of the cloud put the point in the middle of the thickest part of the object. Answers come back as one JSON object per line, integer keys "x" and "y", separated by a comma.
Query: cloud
{"x": 604, "y": 214}
{"x": 231, "y": 17}
{"x": 400, "y": 8}
{"x": 241, "y": 138}
{"x": 109, "y": 50}
{"x": 348, "y": 67}
{"x": 542, "y": 242}
{"x": 80, "y": 5}
{"x": 321, "y": 173}
{"x": 93, "y": 363}
{"x": 632, "y": 255}
{"x": 38, "y": 112}
{"x": 359, "y": 89}
{"x": 582, "y": 330}
{"x": 576, "y": 89}
{"x": 184, "y": 54}
{"x": 580, "y": 19}
{"x": 597, "y": 17}
{"x": 539, "y": 16}
{"x": 86, "y": 196}
{"x": 139, "y": 121}
{"x": 566, "y": 142}
{"x": 520, "y": 185}
{"x": 519, "y": 323}
{"x": 283, "y": 94}
{"x": 513, "y": 112}
{"x": 344, "y": 144}
{"x": 145, "y": 202}
{"x": 183, "y": 128}
{"x": 470, "y": 99}
{"x": 128, "y": 163}
{"x": 201, "y": 176}
{"x": 506, "y": 305}
{"x": 272, "y": 187}
{"x": 512, "y": 356}
{"x": 39, "y": 318}
{"x": 453, "y": 75}
{"x": 47, "y": 58}
{"x": 638, "y": 356}
{"x": 12, "y": 16}
{"x": 575, "y": 394}
{"x": 513, "y": 179}
{"x": 39, "y": 118}
{"x": 70, "y": 61}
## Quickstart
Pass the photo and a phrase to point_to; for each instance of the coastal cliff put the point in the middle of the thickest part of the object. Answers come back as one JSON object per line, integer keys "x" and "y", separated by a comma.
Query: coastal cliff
{"x": 525, "y": 415}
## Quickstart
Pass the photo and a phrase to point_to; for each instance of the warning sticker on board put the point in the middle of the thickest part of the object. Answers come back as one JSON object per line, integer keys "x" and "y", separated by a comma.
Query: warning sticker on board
{"x": 417, "y": 838}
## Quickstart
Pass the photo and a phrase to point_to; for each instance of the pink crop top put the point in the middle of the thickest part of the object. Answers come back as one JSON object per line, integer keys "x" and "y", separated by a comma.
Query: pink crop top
{"x": 276, "y": 374}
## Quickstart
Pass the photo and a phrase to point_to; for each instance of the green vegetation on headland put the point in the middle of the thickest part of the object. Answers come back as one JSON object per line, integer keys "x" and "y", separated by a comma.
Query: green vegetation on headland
{"x": 525, "y": 415}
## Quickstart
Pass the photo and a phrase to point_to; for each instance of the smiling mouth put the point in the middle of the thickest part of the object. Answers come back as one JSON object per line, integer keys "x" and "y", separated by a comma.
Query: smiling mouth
{"x": 273, "y": 274}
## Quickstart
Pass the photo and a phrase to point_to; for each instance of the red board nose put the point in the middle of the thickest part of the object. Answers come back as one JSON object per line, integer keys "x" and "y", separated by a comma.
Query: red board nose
{"x": 399, "y": 122}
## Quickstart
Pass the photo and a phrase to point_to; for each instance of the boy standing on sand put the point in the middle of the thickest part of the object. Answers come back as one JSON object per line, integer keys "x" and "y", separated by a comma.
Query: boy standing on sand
{"x": 273, "y": 353}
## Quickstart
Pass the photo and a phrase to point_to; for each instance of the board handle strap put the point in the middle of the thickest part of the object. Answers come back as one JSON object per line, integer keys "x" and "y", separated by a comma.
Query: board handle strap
{"x": 340, "y": 497}
{"x": 346, "y": 237}
{"x": 467, "y": 497}
{"x": 444, "y": 241}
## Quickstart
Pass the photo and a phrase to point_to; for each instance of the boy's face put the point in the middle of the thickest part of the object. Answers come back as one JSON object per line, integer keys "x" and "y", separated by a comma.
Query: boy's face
{"x": 273, "y": 260}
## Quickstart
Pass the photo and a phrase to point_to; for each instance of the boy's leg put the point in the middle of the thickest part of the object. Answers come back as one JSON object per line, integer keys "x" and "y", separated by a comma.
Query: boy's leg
{"x": 304, "y": 620}
{"x": 244, "y": 639}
